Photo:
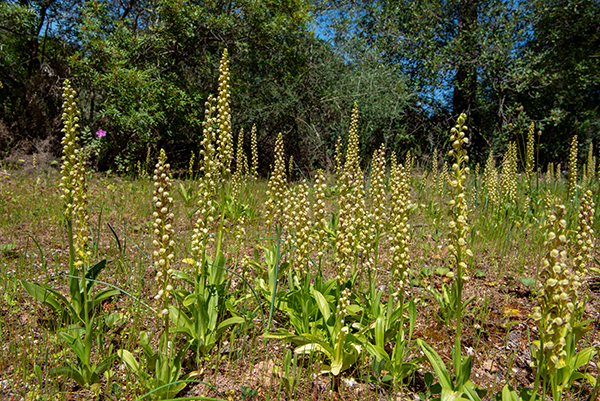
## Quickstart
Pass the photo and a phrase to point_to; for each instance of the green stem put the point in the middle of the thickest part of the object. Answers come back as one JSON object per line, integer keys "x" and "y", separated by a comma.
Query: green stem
{"x": 72, "y": 271}
{"x": 221, "y": 224}
{"x": 275, "y": 282}
{"x": 390, "y": 303}
{"x": 456, "y": 357}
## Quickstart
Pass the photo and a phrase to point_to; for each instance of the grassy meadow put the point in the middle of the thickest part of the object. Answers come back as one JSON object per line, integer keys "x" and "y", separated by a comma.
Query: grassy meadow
{"x": 397, "y": 278}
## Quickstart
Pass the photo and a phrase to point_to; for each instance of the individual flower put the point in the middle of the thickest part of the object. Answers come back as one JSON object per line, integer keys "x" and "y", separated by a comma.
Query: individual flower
{"x": 100, "y": 133}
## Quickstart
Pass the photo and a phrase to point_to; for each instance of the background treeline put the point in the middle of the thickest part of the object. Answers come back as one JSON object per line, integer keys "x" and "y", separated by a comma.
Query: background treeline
{"x": 145, "y": 68}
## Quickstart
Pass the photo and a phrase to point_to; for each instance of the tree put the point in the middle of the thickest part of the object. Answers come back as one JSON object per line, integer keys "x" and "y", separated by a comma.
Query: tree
{"x": 149, "y": 76}
{"x": 489, "y": 58}
{"x": 31, "y": 60}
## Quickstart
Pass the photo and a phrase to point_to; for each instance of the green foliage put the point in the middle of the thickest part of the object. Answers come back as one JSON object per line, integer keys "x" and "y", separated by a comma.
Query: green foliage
{"x": 30, "y": 62}
{"x": 290, "y": 376}
{"x": 569, "y": 371}
{"x": 497, "y": 61}
{"x": 460, "y": 388}
{"x": 84, "y": 372}
{"x": 158, "y": 372}
{"x": 150, "y": 72}
{"x": 203, "y": 324}
{"x": 73, "y": 311}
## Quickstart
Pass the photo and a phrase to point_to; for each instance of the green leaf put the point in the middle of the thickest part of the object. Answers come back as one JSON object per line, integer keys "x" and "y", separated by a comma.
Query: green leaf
{"x": 229, "y": 322}
{"x": 322, "y": 304}
{"x": 183, "y": 324}
{"x": 281, "y": 334}
{"x": 473, "y": 392}
{"x": 75, "y": 344}
{"x": 412, "y": 318}
{"x": 182, "y": 276}
{"x": 354, "y": 309}
{"x": 189, "y": 300}
{"x": 465, "y": 372}
{"x": 103, "y": 295}
{"x": 44, "y": 295}
{"x": 380, "y": 332}
{"x": 509, "y": 394}
{"x": 529, "y": 282}
{"x": 312, "y": 347}
{"x": 93, "y": 273}
{"x": 377, "y": 352}
{"x": 128, "y": 358}
{"x": 437, "y": 364}
{"x": 337, "y": 362}
{"x": 584, "y": 357}
{"x": 69, "y": 372}
{"x": 451, "y": 395}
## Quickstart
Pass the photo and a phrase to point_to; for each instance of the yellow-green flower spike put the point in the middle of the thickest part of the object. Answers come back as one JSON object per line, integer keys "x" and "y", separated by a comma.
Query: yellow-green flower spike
{"x": 550, "y": 172}
{"x": 241, "y": 165}
{"x": 375, "y": 216}
{"x": 572, "y": 183}
{"x": 352, "y": 153}
{"x": 377, "y": 191}
{"x": 338, "y": 158}
{"x": 208, "y": 186}
{"x": 343, "y": 304}
{"x": 164, "y": 233}
{"x": 70, "y": 118}
{"x": 445, "y": 174}
{"x": 459, "y": 227}
{"x": 301, "y": 228}
{"x": 254, "y": 150}
{"x": 191, "y": 166}
{"x": 530, "y": 158}
{"x": 490, "y": 181}
{"x": 320, "y": 234}
{"x": 557, "y": 294}
{"x": 224, "y": 117}
{"x": 591, "y": 164}
{"x": 508, "y": 177}
{"x": 583, "y": 248}
{"x": 277, "y": 183}
{"x": 350, "y": 241}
